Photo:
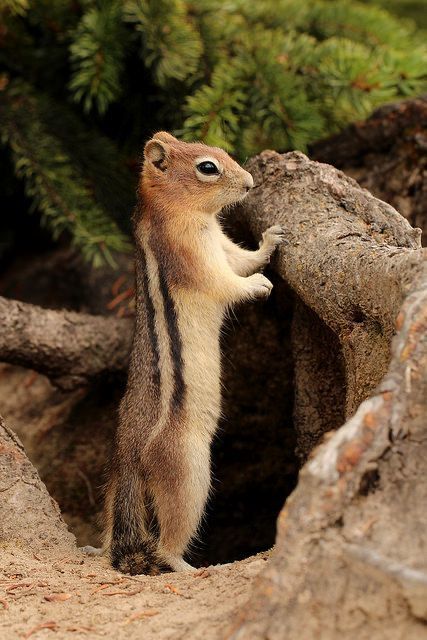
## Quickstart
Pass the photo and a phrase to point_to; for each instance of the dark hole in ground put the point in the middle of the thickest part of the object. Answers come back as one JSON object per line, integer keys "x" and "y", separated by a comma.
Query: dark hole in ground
{"x": 67, "y": 435}
{"x": 255, "y": 467}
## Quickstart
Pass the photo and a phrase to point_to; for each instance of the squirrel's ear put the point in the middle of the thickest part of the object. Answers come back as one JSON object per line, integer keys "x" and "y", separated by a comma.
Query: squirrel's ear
{"x": 164, "y": 136}
{"x": 157, "y": 153}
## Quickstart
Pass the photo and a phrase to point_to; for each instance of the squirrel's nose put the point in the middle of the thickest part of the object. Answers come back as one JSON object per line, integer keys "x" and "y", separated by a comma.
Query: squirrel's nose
{"x": 249, "y": 181}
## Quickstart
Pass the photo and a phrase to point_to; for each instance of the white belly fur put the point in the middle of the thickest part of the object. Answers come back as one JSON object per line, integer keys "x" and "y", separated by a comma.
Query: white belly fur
{"x": 199, "y": 320}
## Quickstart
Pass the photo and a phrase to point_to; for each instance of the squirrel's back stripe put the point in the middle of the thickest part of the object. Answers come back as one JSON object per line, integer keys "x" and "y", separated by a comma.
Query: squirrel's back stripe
{"x": 175, "y": 341}
{"x": 150, "y": 314}
{"x": 172, "y": 384}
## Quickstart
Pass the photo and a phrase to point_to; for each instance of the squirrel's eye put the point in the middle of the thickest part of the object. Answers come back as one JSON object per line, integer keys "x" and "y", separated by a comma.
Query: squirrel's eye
{"x": 208, "y": 168}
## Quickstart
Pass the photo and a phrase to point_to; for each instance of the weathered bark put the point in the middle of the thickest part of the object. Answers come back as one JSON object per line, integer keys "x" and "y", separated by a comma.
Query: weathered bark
{"x": 319, "y": 379}
{"x": 387, "y": 154}
{"x": 29, "y": 517}
{"x": 72, "y": 349}
{"x": 351, "y": 551}
{"x": 349, "y": 257}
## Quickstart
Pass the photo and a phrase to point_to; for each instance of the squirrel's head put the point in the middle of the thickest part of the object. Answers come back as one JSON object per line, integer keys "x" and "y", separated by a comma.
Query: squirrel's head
{"x": 191, "y": 175}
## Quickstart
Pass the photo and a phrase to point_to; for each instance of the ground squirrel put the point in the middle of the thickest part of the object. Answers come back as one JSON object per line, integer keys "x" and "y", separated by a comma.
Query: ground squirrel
{"x": 188, "y": 273}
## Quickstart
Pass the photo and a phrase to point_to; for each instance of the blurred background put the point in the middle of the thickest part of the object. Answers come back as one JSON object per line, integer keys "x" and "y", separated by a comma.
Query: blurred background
{"x": 83, "y": 84}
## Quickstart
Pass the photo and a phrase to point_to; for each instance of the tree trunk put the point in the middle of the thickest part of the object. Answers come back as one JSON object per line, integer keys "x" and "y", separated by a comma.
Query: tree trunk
{"x": 387, "y": 154}
{"x": 351, "y": 550}
{"x": 351, "y": 259}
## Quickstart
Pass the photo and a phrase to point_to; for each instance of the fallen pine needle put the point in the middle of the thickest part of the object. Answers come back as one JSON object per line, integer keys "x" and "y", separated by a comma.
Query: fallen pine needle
{"x": 139, "y": 615}
{"x": 116, "y": 581}
{"x": 123, "y": 592}
{"x": 173, "y": 589}
{"x": 101, "y": 587}
{"x": 4, "y": 603}
{"x": 136, "y": 579}
{"x": 44, "y": 625}
{"x": 120, "y": 297}
{"x": 117, "y": 284}
{"x": 202, "y": 573}
{"x": 19, "y": 585}
{"x": 58, "y": 597}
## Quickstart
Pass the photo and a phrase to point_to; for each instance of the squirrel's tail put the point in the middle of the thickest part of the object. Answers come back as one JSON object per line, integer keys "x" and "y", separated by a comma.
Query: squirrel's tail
{"x": 132, "y": 531}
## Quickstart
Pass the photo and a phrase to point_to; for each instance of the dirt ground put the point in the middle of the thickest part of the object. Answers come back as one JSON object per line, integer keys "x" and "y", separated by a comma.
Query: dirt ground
{"x": 45, "y": 595}
{"x": 49, "y": 588}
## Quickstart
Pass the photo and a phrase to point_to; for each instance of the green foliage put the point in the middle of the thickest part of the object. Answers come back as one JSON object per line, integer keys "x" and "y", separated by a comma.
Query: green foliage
{"x": 97, "y": 53}
{"x": 171, "y": 45}
{"x": 52, "y": 180}
{"x": 85, "y": 82}
{"x": 16, "y": 7}
{"x": 214, "y": 110}
{"x": 304, "y": 70}
{"x": 413, "y": 9}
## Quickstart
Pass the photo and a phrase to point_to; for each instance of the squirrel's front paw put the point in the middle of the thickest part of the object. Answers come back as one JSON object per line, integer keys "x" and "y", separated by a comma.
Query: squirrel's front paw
{"x": 273, "y": 236}
{"x": 259, "y": 286}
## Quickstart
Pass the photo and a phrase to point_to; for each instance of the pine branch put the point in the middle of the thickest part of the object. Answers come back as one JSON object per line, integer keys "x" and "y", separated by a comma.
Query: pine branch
{"x": 371, "y": 26}
{"x": 97, "y": 54}
{"x": 412, "y": 9}
{"x": 51, "y": 180}
{"x": 96, "y": 158}
{"x": 214, "y": 111}
{"x": 273, "y": 86}
{"x": 280, "y": 112}
{"x": 171, "y": 45}
{"x": 15, "y": 7}
{"x": 243, "y": 75}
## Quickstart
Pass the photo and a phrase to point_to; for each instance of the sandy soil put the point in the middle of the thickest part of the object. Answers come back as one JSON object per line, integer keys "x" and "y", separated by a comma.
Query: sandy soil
{"x": 77, "y": 596}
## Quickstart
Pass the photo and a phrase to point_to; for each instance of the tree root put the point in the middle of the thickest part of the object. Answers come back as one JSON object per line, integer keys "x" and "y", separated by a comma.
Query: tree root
{"x": 72, "y": 349}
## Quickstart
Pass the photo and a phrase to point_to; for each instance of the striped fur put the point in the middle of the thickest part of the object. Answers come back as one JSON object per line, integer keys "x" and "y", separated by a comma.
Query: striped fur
{"x": 187, "y": 273}
{"x": 175, "y": 343}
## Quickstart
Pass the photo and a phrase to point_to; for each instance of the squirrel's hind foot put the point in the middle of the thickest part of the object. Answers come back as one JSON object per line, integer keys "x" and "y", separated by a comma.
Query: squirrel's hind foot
{"x": 137, "y": 559}
{"x": 136, "y": 564}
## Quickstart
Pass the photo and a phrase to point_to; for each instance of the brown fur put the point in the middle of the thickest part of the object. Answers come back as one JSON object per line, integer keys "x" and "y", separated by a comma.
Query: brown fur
{"x": 188, "y": 272}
